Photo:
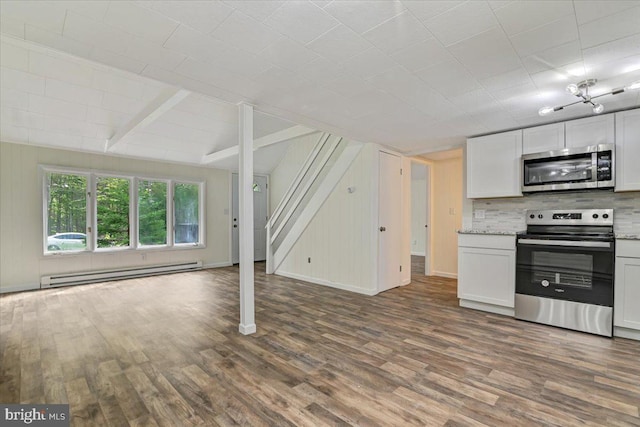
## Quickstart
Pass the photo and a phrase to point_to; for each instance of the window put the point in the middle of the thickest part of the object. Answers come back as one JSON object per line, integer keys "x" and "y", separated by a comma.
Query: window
{"x": 126, "y": 212}
{"x": 66, "y": 220}
{"x": 186, "y": 202}
{"x": 152, "y": 213}
{"x": 112, "y": 211}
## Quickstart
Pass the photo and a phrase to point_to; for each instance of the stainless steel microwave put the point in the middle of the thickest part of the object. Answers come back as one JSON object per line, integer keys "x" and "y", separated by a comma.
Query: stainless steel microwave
{"x": 569, "y": 169}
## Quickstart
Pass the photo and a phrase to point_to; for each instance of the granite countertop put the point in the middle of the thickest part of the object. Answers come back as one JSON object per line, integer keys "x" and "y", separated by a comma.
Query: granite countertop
{"x": 627, "y": 236}
{"x": 490, "y": 232}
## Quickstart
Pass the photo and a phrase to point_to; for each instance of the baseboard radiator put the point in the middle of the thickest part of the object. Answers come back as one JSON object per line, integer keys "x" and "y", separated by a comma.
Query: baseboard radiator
{"x": 123, "y": 273}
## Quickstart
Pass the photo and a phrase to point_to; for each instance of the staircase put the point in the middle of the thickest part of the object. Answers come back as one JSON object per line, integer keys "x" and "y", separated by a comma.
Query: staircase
{"x": 320, "y": 173}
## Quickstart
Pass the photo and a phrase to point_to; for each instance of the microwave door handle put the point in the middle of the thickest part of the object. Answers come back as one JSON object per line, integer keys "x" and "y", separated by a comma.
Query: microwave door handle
{"x": 594, "y": 167}
{"x": 573, "y": 243}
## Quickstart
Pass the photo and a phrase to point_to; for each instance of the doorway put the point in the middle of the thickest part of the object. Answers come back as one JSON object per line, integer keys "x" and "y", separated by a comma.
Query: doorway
{"x": 260, "y": 218}
{"x": 389, "y": 222}
{"x": 420, "y": 219}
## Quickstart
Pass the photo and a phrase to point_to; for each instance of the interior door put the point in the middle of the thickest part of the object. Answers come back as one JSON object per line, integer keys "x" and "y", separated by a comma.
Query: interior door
{"x": 260, "y": 197}
{"x": 389, "y": 222}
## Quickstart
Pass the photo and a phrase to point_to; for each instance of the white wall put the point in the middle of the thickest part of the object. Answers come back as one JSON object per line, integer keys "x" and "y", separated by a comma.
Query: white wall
{"x": 22, "y": 262}
{"x": 418, "y": 209}
{"x": 446, "y": 216}
{"x": 283, "y": 175}
{"x": 340, "y": 240}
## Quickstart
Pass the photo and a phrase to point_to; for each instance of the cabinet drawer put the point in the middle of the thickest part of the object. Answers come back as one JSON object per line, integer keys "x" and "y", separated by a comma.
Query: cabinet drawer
{"x": 488, "y": 241}
{"x": 628, "y": 248}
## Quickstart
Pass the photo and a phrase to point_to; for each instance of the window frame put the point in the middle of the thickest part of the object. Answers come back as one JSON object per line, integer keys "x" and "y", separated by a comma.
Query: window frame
{"x": 44, "y": 172}
{"x": 92, "y": 209}
{"x": 94, "y": 192}
{"x": 168, "y": 219}
{"x": 201, "y": 221}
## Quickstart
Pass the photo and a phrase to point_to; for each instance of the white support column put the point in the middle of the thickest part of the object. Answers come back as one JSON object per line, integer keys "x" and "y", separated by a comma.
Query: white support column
{"x": 245, "y": 196}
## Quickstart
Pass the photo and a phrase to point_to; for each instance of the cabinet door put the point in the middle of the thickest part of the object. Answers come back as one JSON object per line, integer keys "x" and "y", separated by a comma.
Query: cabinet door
{"x": 493, "y": 165}
{"x": 543, "y": 138}
{"x": 626, "y": 311}
{"x": 628, "y": 150}
{"x": 487, "y": 275}
{"x": 590, "y": 131}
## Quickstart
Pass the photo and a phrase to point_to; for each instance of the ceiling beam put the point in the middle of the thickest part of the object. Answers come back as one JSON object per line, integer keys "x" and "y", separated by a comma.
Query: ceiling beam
{"x": 273, "y": 138}
{"x": 164, "y": 102}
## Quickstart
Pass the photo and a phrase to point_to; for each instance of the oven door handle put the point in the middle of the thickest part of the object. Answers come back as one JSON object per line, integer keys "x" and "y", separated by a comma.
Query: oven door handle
{"x": 580, "y": 244}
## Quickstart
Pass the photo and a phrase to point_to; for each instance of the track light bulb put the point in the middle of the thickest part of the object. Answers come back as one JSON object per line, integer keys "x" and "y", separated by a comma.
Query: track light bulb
{"x": 573, "y": 89}
{"x": 545, "y": 111}
{"x": 598, "y": 108}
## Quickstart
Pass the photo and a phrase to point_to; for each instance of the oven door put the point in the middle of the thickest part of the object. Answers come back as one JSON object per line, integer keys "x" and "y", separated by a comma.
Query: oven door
{"x": 579, "y": 271}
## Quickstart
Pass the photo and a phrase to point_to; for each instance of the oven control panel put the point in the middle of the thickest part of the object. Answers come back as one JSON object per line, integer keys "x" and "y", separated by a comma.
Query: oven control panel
{"x": 570, "y": 217}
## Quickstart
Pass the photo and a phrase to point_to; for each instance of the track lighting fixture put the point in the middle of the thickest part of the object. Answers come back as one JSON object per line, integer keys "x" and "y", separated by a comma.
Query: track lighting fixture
{"x": 581, "y": 90}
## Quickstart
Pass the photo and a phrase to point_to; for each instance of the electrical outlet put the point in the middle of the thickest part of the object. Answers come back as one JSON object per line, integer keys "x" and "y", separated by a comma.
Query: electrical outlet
{"x": 478, "y": 214}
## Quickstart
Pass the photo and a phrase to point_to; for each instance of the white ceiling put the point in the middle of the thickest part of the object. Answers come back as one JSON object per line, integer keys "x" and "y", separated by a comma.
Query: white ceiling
{"x": 417, "y": 76}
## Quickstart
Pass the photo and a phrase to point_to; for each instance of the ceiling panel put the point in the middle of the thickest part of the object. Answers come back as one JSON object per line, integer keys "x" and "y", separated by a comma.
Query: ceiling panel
{"x": 519, "y": 16}
{"x": 461, "y": 22}
{"x": 47, "y": 15}
{"x": 587, "y": 11}
{"x": 400, "y": 73}
{"x": 244, "y": 32}
{"x": 301, "y": 20}
{"x": 204, "y": 16}
{"x": 139, "y": 21}
{"x": 487, "y": 54}
{"x": 421, "y": 55}
{"x": 369, "y": 63}
{"x": 288, "y": 54}
{"x": 554, "y": 57}
{"x": 622, "y": 24}
{"x": 257, "y": 9}
{"x": 363, "y": 15}
{"x": 398, "y": 32}
{"x": 73, "y": 93}
{"x": 450, "y": 78}
{"x": 339, "y": 43}
{"x": 553, "y": 34}
{"x": 425, "y": 10}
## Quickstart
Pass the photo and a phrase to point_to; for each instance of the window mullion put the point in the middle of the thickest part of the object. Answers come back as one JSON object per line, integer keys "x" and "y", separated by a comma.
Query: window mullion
{"x": 133, "y": 214}
{"x": 92, "y": 221}
{"x": 170, "y": 214}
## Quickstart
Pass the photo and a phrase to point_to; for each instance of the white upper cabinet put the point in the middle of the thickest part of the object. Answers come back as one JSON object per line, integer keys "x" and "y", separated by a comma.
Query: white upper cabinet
{"x": 628, "y": 150}
{"x": 493, "y": 165}
{"x": 543, "y": 138}
{"x": 590, "y": 131}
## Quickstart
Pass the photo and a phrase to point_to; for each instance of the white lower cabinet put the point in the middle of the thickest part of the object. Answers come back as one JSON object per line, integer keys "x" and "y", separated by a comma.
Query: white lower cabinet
{"x": 626, "y": 309}
{"x": 486, "y": 272}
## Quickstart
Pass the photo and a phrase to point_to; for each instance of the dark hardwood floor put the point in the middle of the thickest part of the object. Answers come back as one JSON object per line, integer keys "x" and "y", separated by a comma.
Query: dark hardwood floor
{"x": 165, "y": 351}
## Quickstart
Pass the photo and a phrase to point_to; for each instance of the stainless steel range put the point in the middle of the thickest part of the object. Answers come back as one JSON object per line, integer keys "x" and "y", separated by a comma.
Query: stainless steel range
{"x": 564, "y": 271}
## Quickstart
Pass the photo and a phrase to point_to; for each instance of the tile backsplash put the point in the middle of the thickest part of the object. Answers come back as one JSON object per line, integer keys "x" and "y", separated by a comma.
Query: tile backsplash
{"x": 509, "y": 214}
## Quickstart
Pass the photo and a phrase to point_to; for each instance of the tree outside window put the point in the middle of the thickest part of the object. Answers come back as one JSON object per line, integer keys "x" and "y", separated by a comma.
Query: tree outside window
{"x": 66, "y": 212}
{"x": 186, "y": 206}
{"x": 112, "y": 195}
{"x": 152, "y": 213}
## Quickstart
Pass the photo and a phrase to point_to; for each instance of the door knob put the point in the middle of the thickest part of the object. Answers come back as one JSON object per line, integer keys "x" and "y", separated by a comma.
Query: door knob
{"x": 383, "y": 228}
